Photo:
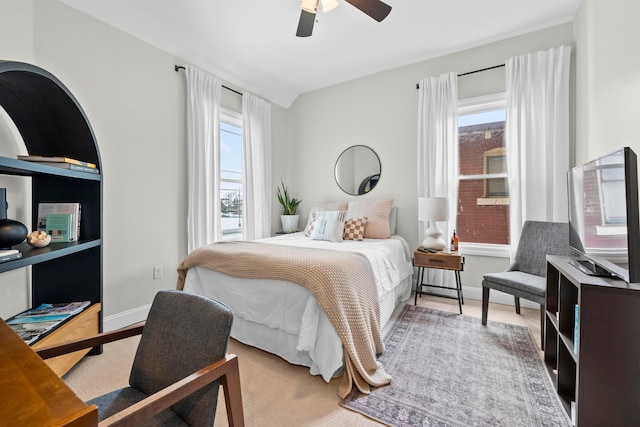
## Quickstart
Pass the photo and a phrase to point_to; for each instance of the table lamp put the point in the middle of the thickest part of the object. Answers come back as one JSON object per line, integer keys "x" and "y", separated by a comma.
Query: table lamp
{"x": 433, "y": 209}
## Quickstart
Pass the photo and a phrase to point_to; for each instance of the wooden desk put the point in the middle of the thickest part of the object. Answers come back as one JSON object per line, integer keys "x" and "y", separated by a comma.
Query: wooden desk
{"x": 32, "y": 394}
{"x": 453, "y": 261}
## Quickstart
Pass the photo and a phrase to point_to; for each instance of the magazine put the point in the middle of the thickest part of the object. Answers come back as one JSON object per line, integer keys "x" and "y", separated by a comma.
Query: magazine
{"x": 30, "y": 332}
{"x": 33, "y": 324}
{"x": 65, "y": 309}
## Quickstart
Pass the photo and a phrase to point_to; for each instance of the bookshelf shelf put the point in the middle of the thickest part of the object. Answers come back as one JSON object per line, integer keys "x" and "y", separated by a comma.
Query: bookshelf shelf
{"x": 602, "y": 378}
{"x": 32, "y": 255}
{"x": 10, "y": 166}
{"x": 52, "y": 123}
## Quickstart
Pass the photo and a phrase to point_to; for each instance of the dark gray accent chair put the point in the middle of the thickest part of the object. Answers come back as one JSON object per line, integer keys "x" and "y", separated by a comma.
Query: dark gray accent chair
{"x": 184, "y": 339}
{"x": 526, "y": 276}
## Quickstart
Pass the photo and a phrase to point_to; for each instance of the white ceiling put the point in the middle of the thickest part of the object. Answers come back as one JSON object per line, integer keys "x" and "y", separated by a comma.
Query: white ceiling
{"x": 252, "y": 43}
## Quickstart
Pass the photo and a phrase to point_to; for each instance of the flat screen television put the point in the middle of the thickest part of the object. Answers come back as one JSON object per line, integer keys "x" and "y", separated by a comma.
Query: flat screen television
{"x": 604, "y": 224}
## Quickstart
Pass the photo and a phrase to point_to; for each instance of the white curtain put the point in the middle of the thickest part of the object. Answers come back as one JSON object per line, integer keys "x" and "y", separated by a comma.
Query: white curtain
{"x": 537, "y": 137}
{"x": 203, "y": 141}
{"x": 438, "y": 151}
{"x": 256, "y": 132}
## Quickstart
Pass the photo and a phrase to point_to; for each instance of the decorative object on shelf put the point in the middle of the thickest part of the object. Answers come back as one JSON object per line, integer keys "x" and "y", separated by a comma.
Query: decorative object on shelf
{"x": 75, "y": 209}
{"x": 38, "y": 239}
{"x": 454, "y": 242}
{"x": 289, "y": 219}
{"x": 59, "y": 227}
{"x": 11, "y": 232}
{"x": 433, "y": 209}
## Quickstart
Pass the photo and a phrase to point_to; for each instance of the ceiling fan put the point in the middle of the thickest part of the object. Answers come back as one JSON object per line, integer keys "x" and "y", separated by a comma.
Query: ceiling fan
{"x": 374, "y": 8}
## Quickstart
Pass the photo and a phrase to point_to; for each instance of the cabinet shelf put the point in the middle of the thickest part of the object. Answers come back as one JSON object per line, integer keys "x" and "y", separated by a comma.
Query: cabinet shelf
{"x": 32, "y": 255}
{"x": 601, "y": 378}
{"x": 9, "y": 166}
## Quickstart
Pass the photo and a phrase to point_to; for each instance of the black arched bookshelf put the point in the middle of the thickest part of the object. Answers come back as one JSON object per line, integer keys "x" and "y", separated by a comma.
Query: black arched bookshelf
{"x": 52, "y": 123}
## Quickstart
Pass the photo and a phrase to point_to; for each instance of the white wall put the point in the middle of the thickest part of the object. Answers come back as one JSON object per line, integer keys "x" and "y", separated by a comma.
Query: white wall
{"x": 381, "y": 111}
{"x": 133, "y": 99}
{"x": 608, "y": 77}
{"x": 16, "y": 44}
{"x": 16, "y": 30}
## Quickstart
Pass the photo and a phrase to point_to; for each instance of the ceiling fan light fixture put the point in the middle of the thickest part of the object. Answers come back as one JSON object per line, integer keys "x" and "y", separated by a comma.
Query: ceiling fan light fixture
{"x": 328, "y": 5}
{"x": 310, "y": 6}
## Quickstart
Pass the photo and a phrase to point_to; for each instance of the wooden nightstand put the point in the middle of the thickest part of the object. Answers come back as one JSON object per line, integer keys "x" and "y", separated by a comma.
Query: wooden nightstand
{"x": 453, "y": 261}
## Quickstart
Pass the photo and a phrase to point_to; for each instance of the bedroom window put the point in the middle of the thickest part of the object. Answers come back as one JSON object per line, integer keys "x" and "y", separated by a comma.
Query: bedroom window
{"x": 231, "y": 175}
{"x": 483, "y": 189}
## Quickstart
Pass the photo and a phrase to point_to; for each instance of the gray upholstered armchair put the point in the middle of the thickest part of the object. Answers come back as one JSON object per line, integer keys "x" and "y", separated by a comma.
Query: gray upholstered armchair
{"x": 525, "y": 277}
{"x": 178, "y": 368}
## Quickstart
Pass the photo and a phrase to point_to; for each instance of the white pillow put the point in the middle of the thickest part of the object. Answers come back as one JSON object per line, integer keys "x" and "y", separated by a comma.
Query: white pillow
{"x": 326, "y": 206}
{"x": 329, "y": 225}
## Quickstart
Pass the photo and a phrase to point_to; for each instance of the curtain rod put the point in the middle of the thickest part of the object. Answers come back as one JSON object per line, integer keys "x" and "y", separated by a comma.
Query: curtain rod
{"x": 472, "y": 72}
{"x": 180, "y": 67}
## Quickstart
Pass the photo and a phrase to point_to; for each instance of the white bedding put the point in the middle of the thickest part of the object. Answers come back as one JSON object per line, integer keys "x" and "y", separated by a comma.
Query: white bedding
{"x": 284, "y": 318}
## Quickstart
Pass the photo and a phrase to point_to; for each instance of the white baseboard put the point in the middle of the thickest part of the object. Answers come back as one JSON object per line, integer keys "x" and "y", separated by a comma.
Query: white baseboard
{"x": 497, "y": 297}
{"x": 125, "y": 318}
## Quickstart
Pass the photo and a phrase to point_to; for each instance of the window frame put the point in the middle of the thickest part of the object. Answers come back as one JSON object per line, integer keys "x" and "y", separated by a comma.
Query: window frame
{"x": 473, "y": 105}
{"x": 233, "y": 118}
{"x": 486, "y": 156}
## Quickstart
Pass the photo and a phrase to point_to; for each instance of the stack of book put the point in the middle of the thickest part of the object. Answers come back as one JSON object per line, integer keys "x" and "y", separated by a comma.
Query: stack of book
{"x": 33, "y": 324}
{"x": 9, "y": 255}
{"x": 62, "y": 162}
{"x": 60, "y": 220}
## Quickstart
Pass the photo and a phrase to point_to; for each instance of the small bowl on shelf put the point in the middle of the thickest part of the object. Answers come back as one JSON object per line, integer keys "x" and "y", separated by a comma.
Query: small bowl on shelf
{"x": 38, "y": 239}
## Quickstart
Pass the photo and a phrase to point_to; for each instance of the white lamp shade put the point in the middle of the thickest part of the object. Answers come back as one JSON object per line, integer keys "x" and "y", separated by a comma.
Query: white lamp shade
{"x": 310, "y": 6}
{"x": 328, "y": 5}
{"x": 433, "y": 209}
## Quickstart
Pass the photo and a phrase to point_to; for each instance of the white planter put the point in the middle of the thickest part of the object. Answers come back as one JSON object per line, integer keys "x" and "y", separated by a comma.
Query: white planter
{"x": 289, "y": 223}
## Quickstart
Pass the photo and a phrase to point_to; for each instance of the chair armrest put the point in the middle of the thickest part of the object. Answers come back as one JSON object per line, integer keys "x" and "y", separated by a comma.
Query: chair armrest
{"x": 225, "y": 369}
{"x": 94, "y": 341}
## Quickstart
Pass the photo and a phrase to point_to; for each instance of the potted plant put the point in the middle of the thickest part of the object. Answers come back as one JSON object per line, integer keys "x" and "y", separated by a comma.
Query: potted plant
{"x": 290, "y": 204}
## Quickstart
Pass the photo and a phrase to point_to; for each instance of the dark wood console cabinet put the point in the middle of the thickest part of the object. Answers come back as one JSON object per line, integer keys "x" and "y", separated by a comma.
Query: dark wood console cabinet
{"x": 603, "y": 378}
{"x": 52, "y": 123}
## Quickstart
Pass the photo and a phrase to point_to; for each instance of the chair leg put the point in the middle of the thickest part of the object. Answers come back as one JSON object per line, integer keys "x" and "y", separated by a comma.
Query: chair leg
{"x": 485, "y": 304}
{"x": 232, "y": 395}
{"x": 517, "y": 299}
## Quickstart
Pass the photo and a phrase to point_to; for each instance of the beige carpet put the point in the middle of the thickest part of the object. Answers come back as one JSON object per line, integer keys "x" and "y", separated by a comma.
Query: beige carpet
{"x": 274, "y": 393}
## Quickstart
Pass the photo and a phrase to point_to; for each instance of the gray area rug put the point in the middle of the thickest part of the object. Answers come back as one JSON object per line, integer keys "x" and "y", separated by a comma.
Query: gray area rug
{"x": 449, "y": 370}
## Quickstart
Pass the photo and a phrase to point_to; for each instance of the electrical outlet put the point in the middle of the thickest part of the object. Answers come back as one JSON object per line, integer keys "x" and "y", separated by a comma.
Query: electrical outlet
{"x": 157, "y": 272}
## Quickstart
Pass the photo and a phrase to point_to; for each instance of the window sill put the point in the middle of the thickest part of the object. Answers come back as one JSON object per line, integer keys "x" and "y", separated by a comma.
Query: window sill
{"x": 486, "y": 249}
{"x": 492, "y": 201}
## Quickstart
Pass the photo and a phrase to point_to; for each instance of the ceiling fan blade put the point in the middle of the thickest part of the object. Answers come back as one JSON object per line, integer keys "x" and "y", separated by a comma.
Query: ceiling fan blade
{"x": 374, "y": 8}
{"x": 305, "y": 25}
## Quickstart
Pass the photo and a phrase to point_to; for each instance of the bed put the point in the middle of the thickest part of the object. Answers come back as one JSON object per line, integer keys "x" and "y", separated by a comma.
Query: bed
{"x": 284, "y": 318}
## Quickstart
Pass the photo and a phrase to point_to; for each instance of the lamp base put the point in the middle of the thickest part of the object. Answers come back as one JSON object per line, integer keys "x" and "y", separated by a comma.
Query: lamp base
{"x": 433, "y": 238}
{"x": 436, "y": 244}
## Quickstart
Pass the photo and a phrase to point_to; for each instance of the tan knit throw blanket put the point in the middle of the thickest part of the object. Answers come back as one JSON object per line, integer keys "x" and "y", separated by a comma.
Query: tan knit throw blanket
{"x": 342, "y": 283}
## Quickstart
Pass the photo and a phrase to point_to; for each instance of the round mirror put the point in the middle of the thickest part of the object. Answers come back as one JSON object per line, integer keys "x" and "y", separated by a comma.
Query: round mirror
{"x": 357, "y": 170}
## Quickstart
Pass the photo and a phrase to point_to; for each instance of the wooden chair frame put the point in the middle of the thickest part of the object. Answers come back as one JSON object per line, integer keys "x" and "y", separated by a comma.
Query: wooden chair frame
{"x": 225, "y": 369}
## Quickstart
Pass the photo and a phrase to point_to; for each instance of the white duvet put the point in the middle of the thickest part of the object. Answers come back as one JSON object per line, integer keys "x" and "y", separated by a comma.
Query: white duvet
{"x": 283, "y": 318}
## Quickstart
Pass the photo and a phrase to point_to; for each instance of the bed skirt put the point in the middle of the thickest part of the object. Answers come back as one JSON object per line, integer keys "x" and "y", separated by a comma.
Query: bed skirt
{"x": 285, "y": 319}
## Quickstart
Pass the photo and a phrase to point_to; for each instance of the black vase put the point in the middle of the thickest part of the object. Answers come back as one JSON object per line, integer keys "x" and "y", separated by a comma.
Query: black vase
{"x": 11, "y": 233}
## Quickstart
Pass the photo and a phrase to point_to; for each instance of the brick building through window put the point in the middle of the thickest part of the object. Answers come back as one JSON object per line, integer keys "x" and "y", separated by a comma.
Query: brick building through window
{"x": 483, "y": 203}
